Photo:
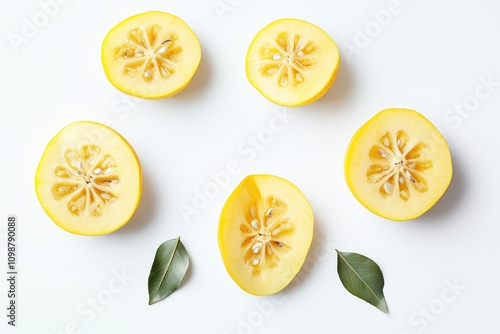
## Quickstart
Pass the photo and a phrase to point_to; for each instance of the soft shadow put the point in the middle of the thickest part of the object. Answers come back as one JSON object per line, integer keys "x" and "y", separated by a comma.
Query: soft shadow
{"x": 146, "y": 210}
{"x": 340, "y": 90}
{"x": 199, "y": 81}
{"x": 306, "y": 271}
{"x": 451, "y": 199}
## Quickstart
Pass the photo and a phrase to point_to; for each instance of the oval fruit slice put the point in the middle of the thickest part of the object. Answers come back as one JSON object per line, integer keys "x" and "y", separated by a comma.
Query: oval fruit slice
{"x": 151, "y": 55}
{"x": 89, "y": 179}
{"x": 292, "y": 62}
{"x": 265, "y": 231}
{"x": 398, "y": 165}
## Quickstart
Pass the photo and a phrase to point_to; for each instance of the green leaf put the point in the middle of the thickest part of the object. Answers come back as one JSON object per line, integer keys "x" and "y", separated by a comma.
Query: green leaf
{"x": 363, "y": 278}
{"x": 169, "y": 268}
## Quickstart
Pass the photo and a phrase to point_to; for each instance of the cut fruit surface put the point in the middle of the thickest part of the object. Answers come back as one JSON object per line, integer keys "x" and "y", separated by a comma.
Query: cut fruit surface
{"x": 265, "y": 231}
{"x": 398, "y": 165}
{"x": 89, "y": 179}
{"x": 292, "y": 62}
{"x": 151, "y": 55}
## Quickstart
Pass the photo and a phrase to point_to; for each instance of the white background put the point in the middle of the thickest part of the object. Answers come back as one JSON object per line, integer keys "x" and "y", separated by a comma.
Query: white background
{"x": 431, "y": 56}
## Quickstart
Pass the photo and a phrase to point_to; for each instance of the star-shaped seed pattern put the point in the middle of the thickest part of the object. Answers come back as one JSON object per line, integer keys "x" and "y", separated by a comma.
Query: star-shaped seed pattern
{"x": 150, "y": 52}
{"x": 399, "y": 166}
{"x": 87, "y": 180}
{"x": 264, "y": 233}
{"x": 288, "y": 58}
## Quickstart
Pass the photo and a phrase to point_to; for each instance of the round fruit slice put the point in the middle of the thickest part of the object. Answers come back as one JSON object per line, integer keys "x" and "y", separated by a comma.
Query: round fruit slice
{"x": 292, "y": 62}
{"x": 151, "y": 55}
{"x": 398, "y": 165}
{"x": 89, "y": 179}
{"x": 265, "y": 231}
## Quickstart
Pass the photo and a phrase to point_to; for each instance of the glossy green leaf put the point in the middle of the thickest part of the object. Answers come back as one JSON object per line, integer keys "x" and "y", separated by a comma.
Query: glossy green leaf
{"x": 169, "y": 268}
{"x": 363, "y": 278}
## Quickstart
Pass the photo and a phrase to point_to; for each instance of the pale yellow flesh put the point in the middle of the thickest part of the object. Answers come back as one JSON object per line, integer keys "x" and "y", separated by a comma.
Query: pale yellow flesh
{"x": 292, "y": 62}
{"x": 291, "y": 225}
{"x": 151, "y": 55}
{"x": 89, "y": 151}
{"x": 418, "y": 183}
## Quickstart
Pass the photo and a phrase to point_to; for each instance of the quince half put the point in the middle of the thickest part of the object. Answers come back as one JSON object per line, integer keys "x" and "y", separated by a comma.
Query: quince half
{"x": 398, "y": 164}
{"x": 151, "y": 55}
{"x": 89, "y": 179}
{"x": 292, "y": 62}
{"x": 265, "y": 231}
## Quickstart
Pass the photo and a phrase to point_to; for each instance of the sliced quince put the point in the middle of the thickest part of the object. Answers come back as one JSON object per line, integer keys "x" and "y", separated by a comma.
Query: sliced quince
{"x": 151, "y": 55}
{"x": 398, "y": 165}
{"x": 265, "y": 231}
{"x": 89, "y": 179}
{"x": 292, "y": 62}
